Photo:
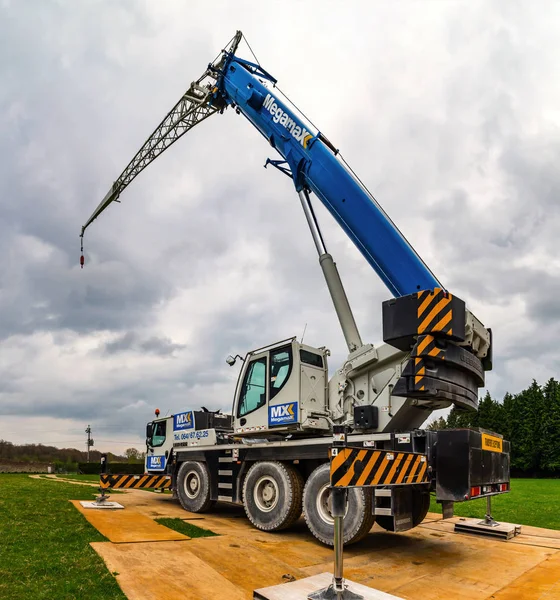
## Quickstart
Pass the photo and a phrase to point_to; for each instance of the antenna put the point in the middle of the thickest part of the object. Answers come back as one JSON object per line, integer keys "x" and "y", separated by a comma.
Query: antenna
{"x": 303, "y": 334}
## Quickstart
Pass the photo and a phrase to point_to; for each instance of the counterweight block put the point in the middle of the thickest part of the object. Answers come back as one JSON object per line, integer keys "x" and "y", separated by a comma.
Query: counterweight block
{"x": 435, "y": 312}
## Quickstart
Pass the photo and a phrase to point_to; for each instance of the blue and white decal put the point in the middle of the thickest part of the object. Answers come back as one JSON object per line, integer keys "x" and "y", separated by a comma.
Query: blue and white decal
{"x": 189, "y": 436}
{"x": 156, "y": 463}
{"x": 282, "y": 414}
{"x": 183, "y": 421}
{"x": 283, "y": 116}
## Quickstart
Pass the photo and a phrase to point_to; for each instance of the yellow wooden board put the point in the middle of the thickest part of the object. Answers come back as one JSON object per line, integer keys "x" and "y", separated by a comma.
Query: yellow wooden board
{"x": 243, "y": 562}
{"x": 430, "y": 562}
{"x": 127, "y": 525}
{"x": 165, "y": 571}
{"x": 540, "y": 583}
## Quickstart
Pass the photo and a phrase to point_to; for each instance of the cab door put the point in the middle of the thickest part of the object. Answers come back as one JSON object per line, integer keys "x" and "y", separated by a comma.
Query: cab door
{"x": 252, "y": 404}
{"x": 159, "y": 443}
{"x": 269, "y": 392}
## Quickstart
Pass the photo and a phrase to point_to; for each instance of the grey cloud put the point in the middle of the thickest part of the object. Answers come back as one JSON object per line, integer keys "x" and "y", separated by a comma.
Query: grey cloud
{"x": 131, "y": 341}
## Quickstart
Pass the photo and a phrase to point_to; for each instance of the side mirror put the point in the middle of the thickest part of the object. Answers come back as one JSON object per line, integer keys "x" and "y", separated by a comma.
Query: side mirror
{"x": 149, "y": 432}
{"x": 231, "y": 359}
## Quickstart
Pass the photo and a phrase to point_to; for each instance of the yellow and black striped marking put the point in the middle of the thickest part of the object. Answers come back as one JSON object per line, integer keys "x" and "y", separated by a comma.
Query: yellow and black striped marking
{"x": 426, "y": 346}
{"x": 162, "y": 482}
{"x": 356, "y": 467}
{"x": 435, "y": 312}
{"x": 419, "y": 372}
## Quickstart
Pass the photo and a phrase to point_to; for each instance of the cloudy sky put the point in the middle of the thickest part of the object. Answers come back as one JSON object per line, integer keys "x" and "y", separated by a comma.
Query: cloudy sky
{"x": 447, "y": 110}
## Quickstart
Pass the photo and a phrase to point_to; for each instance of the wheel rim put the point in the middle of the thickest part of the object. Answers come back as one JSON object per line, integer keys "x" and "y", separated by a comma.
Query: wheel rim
{"x": 265, "y": 493}
{"x": 192, "y": 484}
{"x": 323, "y": 504}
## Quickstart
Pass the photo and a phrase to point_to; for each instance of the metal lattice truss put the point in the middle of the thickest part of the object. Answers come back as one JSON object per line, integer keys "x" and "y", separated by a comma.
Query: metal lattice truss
{"x": 196, "y": 105}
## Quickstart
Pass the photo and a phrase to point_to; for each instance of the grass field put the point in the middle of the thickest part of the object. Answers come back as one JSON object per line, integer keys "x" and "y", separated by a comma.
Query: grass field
{"x": 45, "y": 543}
{"x": 531, "y": 502}
{"x": 185, "y": 528}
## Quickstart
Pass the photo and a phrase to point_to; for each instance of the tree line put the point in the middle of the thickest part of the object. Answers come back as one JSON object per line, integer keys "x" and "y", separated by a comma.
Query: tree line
{"x": 530, "y": 420}
{"x": 39, "y": 453}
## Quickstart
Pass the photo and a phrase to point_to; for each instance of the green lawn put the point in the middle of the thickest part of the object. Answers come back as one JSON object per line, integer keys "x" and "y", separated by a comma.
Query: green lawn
{"x": 185, "y": 528}
{"x": 531, "y": 502}
{"x": 44, "y": 543}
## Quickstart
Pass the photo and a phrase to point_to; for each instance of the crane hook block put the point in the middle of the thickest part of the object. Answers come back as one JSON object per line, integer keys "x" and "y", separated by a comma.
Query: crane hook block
{"x": 82, "y": 259}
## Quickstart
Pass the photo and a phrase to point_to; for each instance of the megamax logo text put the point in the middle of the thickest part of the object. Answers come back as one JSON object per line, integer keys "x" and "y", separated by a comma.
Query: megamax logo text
{"x": 183, "y": 421}
{"x": 156, "y": 462}
{"x": 279, "y": 115}
{"x": 282, "y": 414}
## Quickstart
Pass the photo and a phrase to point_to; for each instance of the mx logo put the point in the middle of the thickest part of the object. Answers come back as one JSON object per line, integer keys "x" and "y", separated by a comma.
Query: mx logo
{"x": 156, "y": 463}
{"x": 282, "y": 414}
{"x": 183, "y": 421}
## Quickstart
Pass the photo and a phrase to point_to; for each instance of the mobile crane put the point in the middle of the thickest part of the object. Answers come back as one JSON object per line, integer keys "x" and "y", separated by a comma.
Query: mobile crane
{"x": 271, "y": 453}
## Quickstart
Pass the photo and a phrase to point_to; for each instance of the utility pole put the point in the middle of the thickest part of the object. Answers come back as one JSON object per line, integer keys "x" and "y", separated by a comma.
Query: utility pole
{"x": 89, "y": 442}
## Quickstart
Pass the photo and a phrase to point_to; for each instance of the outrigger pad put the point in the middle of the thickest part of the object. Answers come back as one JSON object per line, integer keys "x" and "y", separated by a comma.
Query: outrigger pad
{"x": 304, "y": 588}
{"x": 104, "y": 505}
{"x": 502, "y": 531}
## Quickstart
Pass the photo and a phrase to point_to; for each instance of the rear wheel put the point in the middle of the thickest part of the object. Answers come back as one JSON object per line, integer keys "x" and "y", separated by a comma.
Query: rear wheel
{"x": 359, "y": 518}
{"x": 272, "y": 494}
{"x": 193, "y": 486}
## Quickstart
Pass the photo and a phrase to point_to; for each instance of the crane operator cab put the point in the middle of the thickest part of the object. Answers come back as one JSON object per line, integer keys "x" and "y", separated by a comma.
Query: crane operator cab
{"x": 282, "y": 388}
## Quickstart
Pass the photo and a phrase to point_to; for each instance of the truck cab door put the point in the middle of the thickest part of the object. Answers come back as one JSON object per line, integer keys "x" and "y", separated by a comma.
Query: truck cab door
{"x": 252, "y": 402}
{"x": 159, "y": 444}
{"x": 268, "y": 393}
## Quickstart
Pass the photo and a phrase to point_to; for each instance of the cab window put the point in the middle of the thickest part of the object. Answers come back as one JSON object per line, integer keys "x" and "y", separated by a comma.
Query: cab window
{"x": 158, "y": 436}
{"x": 309, "y": 358}
{"x": 280, "y": 368}
{"x": 253, "y": 391}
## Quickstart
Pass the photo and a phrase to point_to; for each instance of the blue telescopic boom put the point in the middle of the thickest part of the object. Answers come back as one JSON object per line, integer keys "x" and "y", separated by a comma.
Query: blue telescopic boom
{"x": 315, "y": 165}
{"x": 311, "y": 160}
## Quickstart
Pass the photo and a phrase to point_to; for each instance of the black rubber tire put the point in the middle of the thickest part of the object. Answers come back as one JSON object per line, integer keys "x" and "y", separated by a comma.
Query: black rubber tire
{"x": 420, "y": 508}
{"x": 297, "y": 486}
{"x": 285, "y": 504}
{"x": 359, "y": 517}
{"x": 195, "y": 500}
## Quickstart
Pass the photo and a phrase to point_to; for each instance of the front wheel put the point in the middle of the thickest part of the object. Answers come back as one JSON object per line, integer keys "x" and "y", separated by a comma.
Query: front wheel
{"x": 193, "y": 486}
{"x": 359, "y": 518}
